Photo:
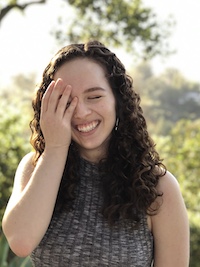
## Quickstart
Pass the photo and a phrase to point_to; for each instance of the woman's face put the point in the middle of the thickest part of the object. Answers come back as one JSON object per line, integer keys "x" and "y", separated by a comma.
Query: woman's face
{"x": 94, "y": 117}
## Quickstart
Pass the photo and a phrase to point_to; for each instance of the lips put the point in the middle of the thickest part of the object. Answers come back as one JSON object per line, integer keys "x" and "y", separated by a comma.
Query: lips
{"x": 87, "y": 127}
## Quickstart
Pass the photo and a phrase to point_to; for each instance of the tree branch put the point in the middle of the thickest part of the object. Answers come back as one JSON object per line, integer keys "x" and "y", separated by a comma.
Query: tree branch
{"x": 4, "y": 11}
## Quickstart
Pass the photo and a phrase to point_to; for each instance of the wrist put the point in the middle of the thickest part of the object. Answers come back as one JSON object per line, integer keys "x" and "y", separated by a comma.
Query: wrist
{"x": 55, "y": 150}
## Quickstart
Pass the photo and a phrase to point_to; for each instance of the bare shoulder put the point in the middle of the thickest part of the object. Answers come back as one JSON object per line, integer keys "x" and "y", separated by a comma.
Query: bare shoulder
{"x": 171, "y": 202}
{"x": 169, "y": 186}
{"x": 23, "y": 172}
{"x": 170, "y": 226}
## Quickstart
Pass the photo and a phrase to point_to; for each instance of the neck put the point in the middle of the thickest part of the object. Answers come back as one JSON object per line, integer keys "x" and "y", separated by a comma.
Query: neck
{"x": 92, "y": 156}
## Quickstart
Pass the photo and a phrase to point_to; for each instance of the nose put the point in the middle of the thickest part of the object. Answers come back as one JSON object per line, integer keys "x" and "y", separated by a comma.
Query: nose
{"x": 81, "y": 110}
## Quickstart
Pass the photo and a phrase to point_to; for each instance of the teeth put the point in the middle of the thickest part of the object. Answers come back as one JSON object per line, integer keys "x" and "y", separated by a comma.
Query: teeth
{"x": 87, "y": 127}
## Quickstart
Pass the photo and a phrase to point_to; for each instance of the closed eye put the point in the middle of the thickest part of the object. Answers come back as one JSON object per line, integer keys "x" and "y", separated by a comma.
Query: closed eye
{"x": 94, "y": 97}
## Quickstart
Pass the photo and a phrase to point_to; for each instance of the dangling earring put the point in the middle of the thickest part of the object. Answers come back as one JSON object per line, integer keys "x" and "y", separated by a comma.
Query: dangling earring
{"x": 116, "y": 124}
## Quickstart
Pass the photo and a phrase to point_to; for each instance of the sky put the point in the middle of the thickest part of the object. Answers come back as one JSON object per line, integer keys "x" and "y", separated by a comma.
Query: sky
{"x": 26, "y": 45}
{"x": 185, "y": 38}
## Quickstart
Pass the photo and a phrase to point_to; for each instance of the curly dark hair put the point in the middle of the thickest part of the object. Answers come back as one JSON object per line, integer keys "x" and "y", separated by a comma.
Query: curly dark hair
{"x": 132, "y": 167}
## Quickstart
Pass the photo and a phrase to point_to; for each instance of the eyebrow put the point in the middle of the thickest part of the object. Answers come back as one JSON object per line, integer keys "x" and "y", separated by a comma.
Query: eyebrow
{"x": 92, "y": 89}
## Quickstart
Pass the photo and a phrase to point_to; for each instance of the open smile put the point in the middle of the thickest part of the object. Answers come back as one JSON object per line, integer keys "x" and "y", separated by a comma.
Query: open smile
{"x": 87, "y": 127}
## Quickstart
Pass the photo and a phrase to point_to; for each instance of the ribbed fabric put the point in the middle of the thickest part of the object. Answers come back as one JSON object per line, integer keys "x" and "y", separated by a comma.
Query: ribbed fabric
{"x": 82, "y": 237}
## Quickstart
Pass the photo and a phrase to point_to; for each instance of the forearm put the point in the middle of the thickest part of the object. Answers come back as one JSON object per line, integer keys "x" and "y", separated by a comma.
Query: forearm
{"x": 28, "y": 215}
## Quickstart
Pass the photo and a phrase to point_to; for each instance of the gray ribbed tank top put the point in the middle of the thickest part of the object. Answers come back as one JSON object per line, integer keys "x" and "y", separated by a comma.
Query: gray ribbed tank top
{"x": 82, "y": 237}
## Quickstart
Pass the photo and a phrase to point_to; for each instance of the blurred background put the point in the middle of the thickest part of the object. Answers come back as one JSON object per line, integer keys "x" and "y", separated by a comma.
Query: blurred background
{"x": 158, "y": 42}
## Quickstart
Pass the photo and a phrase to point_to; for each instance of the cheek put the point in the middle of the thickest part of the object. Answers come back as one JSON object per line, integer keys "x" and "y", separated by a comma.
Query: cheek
{"x": 110, "y": 112}
{"x": 112, "y": 107}
{"x": 108, "y": 108}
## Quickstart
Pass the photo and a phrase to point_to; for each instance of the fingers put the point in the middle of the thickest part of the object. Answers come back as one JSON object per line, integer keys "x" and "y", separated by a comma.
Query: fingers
{"x": 55, "y": 95}
{"x": 57, "y": 99}
{"x": 46, "y": 96}
{"x": 65, "y": 102}
{"x": 69, "y": 111}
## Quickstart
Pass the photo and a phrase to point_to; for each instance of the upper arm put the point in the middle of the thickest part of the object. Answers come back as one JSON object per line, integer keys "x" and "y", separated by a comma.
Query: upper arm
{"x": 22, "y": 175}
{"x": 170, "y": 227}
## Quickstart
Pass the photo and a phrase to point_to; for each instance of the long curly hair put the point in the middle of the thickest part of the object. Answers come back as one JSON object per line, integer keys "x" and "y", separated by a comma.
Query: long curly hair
{"x": 132, "y": 168}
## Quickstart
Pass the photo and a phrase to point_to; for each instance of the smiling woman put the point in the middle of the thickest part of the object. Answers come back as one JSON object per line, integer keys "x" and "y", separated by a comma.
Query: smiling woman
{"x": 94, "y": 192}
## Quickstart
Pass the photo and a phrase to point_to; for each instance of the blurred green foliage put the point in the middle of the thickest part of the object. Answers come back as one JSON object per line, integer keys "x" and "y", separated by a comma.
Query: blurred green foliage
{"x": 181, "y": 152}
{"x": 15, "y": 114}
{"x": 13, "y": 146}
{"x": 166, "y": 99}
